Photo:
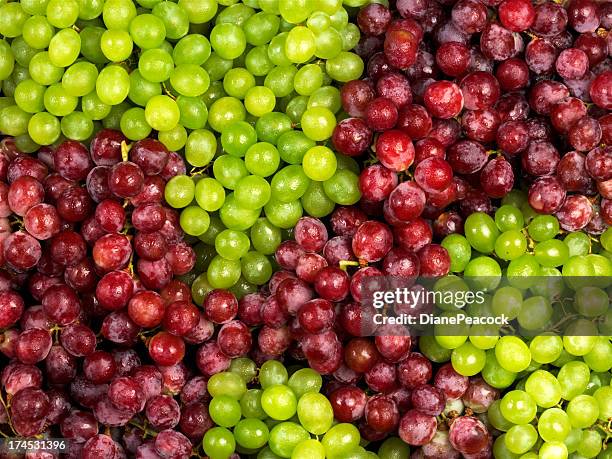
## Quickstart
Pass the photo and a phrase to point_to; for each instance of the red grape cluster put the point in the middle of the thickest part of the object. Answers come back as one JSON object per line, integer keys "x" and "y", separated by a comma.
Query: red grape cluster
{"x": 96, "y": 252}
{"x": 458, "y": 108}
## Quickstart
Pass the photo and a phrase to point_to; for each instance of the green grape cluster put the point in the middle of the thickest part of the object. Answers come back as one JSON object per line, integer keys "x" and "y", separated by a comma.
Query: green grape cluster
{"x": 264, "y": 178}
{"x": 67, "y": 68}
{"x": 283, "y": 416}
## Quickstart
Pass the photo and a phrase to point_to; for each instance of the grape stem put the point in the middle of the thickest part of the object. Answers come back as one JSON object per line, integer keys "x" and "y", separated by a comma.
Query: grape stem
{"x": 344, "y": 264}
{"x": 6, "y": 405}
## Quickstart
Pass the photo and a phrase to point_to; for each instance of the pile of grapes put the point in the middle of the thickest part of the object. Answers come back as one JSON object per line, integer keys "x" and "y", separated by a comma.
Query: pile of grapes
{"x": 198, "y": 200}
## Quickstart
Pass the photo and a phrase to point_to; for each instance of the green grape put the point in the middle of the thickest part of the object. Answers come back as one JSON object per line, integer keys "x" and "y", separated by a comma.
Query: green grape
{"x": 262, "y": 159}
{"x": 554, "y": 425}
{"x": 226, "y": 383}
{"x": 279, "y": 402}
{"x": 271, "y": 126}
{"x": 259, "y": 100}
{"x": 393, "y": 448}
{"x": 518, "y": 407}
{"x": 551, "y": 253}
{"x": 21, "y": 51}
{"x": 543, "y": 388}
{"x": 590, "y": 443}
{"x": 481, "y": 232}
{"x": 199, "y": 11}
{"x": 256, "y": 268}
{"x": 179, "y": 191}
{"x": 93, "y": 107}
{"x": 535, "y": 313}
{"x": 512, "y": 354}
{"x": 433, "y": 351}
{"x": 237, "y": 138}
{"x": 80, "y": 79}
{"x": 319, "y": 163}
{"x": 523, "y": 271}
{"x": 162, "y": 113}
{"x": 300, "y": 45}
{"x": 344, "y": 67}
{"x": 318, "y": 21}
{"x": 284, "y": 215}
{"x": 326, "y": 96}
{"x": 237, "y": 82}
{"x": 546, "y": 348}
{"x": 591, "y": 301}
{"x": 496, "y": 417}
{"x": 483, "y": 273}
{"x": 494, "y": 374}
{"x": 265, "y": 237}
{"x": 350, "y": 36}
{"x": 191, "y": 49}
{"x": 250, "y": 403}
{"x": 223, "y": 273}
{"x": 312, "y": 449}
{"x": 228, "y": 40}
{"x": 266, "y": 453}
{"x": 573, "y": 439}
{"x": 62, "y": 14}
{"x": 580, "y": 337}
{"x": 294, "y": 11}
{"x": 218, "y": 443}
{"x": 520, "y": 439}
{"x": 605, "y": 239}
{"x": 553, "y": 450}
{"x": 33, "y": 6}
{"x": 315, "y": 202}
{"x": 258, "y": 62}
{"x": 468, "y": 360}
{"x": 209, "y": 194}
{"x": 251, "y": 433}
{"x": 134, "y": 124}
{"x": 280, "y": 80}
{"x": 236, "y": 217}
{"x": 37, "y": 32}
{"x": 308, "y": 79}
{"x": 484, "y": 336}
{"x": 141, "y": 89}
{"x": 269, "y": 6}
{"x": 574, "y": 378}
{"x": 194, "y": 220}
{"x": 77, "y": 126}
{"x": 229, "y": 170}
{"x": 289, "y": 183}
{"x": 343, "y": 187}
{"x": 252, "y": 192}
{"x": 459, "y": 250}
{"x": 29, "y": 96}
{"x": 293, "y": 145}
{"x": 200, "y": 288}
{"x": 90, "y": 9}
{"x": 515, "y": 198}
{"x": 509, "y": 217}
{"x": 272, "y": 373}
{"x": 276, "y": 50}
{"x": 340, "y": 439}
{"x": 190, "y": 80}
{"x": 43, "y": 71}
{"x": 510, "y": 244}
{"x": 235, "y": 14}
{"x": 315, "y": 413}
{"x": 232, "y": 244}
{"x": 329, "y": 45}
{"x": 174, "y": 139}
{"x": 113, "y": 85}
{"x": 543, "y": 227}
{"x": 260, "y": 28}
{"x": 583, "y": 411}
{"x": 507, "y": 301}
{"x": 116, "y": 45}
{"x": 284, "y": 437}
{"x": 305, "y": 380}
{"x": 200, "y": 149}
{"x": 90, "y": 44}
{"x": 175, "y": 19}
{"x": 155, "y": 65}
{"x": 194, "y": 113}
{"x": 43, "y": 128}
{"x": 224, "y": 112}
{"x": 7, "y": 59}
{"x": 603, "y": 395}
{"x": 117, "y": 14}
{"x": 600, "y": 357}
{"x": 148, "y": 31}
{"x": 57, "y": 101}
